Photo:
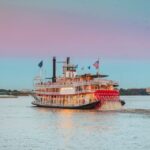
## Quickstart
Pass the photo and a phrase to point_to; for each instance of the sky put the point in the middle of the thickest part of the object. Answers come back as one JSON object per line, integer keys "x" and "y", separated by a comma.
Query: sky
{"x": 116, "y": 31}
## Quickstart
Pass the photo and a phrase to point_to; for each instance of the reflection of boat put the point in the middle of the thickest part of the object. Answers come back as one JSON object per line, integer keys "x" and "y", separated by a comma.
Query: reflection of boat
{"x": 74, "y": 91}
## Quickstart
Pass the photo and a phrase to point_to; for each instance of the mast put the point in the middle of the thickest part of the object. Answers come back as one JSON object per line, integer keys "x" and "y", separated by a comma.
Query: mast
{"x": 96, "y": 65}
{"x": 98, "y": 71}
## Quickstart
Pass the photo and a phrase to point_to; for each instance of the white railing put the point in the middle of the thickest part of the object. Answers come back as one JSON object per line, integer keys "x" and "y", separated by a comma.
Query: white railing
{"x": 75, "y": 84}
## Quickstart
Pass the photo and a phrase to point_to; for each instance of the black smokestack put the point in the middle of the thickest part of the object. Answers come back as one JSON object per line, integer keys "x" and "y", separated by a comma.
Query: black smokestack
{"x": 54, "y": 70}
{"x": 68, "y": 62}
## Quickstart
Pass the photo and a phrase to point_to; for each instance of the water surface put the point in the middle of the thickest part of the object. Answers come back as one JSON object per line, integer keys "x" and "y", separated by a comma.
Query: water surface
{"x": 30, "y": 128}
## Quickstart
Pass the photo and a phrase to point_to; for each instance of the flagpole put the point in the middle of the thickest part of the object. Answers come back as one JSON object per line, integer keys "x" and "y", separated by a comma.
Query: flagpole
{"x": 40, "y": 72}
{"x": 98, "y": 71}
{"x": 41, "y": 69}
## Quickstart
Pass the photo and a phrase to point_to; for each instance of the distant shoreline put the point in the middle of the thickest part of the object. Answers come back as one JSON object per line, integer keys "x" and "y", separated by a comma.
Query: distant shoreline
{"x": 8, "y": 96}
{"x": 13, "y": 93}
{"x": 134, "y": 92}
{"x": 123, "y": 92}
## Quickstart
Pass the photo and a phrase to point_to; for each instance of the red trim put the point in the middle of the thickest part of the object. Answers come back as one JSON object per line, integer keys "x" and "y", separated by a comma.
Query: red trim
{"x": 107, "y": 95}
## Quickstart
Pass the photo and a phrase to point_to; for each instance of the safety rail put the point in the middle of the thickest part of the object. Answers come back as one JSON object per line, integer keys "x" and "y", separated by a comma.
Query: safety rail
{"x": 75, "y": 84}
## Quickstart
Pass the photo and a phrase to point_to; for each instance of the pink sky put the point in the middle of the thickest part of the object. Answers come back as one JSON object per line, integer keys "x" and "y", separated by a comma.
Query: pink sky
{"x": 118, "y": 32}
{"x": 36, "y": 34}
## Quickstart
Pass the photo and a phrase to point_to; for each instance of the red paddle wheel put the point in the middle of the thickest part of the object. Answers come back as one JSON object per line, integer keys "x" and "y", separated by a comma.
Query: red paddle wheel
{"x": 107, "y": 95}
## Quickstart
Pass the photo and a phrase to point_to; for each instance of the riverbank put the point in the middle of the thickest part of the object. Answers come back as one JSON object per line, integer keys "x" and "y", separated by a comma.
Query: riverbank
{"x": 13, "y": 93}
{"x": 8, "y": 96}
{"x": 134, "y": 91}
{"x": 123, "y": 92}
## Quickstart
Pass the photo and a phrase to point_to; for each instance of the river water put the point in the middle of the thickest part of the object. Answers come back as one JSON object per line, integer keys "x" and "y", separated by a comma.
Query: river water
{"x": 24, "y": 127}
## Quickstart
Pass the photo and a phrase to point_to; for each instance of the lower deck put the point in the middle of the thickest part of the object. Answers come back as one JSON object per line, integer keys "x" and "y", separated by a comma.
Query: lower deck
{"x": 71, "y": 100}
{"x": 76, "y": 100}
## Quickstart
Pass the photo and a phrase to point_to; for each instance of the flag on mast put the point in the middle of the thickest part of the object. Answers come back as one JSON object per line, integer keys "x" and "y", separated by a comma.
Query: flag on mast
{"x": 96, "y": 64}
{"x": 89, "y": 67}
{"x": 40, "y": 64}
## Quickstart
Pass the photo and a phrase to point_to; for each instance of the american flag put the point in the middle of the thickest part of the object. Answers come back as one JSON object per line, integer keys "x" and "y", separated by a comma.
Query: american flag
{"x": 96, "y": 64}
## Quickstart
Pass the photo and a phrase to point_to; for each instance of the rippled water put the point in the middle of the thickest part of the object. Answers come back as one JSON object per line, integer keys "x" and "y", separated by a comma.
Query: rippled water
{"x": 24, "y": 127}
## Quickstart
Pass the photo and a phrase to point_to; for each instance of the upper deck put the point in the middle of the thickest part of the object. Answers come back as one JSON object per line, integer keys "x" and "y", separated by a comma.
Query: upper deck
{"x": 71, "y": 83}
{"x": 71, "y": 79}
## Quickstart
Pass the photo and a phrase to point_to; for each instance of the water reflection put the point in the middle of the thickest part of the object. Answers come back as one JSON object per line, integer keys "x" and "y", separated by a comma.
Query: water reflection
{"x": 26, "y": 127}
{"x": 88, "y": 119}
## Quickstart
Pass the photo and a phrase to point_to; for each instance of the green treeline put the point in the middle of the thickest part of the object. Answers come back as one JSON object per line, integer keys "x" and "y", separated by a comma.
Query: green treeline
{"x": 133, "y": 92}
{"x": 13, "y": 92}
{"x": 122, "y": 92}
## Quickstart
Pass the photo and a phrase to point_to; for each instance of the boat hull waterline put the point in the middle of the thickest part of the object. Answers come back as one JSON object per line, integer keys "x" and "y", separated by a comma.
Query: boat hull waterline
{"x": 84, "y": 106}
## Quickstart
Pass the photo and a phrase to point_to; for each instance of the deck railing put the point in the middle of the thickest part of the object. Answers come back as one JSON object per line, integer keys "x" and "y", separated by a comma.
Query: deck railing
{"x": 75, "y": 84}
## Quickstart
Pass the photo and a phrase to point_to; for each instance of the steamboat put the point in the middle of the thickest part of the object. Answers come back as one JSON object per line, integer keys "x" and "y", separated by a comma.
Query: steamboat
{"x": 73, "y": 91}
